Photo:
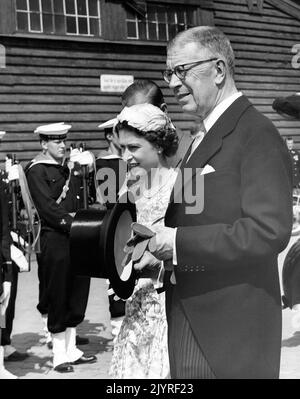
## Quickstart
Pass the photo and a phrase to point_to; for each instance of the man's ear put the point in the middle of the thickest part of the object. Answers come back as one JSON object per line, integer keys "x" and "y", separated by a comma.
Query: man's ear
{"x": 221, "y": 71}
{"x": 44, "y": 144}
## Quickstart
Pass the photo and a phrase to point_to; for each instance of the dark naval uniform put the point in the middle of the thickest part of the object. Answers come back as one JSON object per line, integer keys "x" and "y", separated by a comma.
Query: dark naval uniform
{"x": 5, "y": 239}
{"x": 14, "y": 270}
{"x": 62, "y": 295}
{"x": 295, "y": 155}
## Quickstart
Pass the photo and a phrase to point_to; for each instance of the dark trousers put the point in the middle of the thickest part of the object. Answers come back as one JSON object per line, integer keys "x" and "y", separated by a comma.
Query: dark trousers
{"x": 10, "y": 311}
{"x": 63, "y": 295}
{"x": 187, "y": 360}
{"x": 42, "y": 305}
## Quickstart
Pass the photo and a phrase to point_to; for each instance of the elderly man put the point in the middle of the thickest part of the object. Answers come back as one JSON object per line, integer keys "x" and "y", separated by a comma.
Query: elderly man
{"x": 223, "y": 300}
{"x": 295, "y": 155}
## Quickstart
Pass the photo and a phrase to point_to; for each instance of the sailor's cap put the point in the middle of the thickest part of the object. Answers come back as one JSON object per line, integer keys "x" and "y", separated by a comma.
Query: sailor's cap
{"x": 53, "y": 131}
{"x": 2, "y": 133}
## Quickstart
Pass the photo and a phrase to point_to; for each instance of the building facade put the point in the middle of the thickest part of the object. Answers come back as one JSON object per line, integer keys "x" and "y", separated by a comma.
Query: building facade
{"x": 68, "y": 60}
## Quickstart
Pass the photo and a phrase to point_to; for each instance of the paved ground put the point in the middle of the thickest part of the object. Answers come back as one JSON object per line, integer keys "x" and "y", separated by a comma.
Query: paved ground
{"x": 290, "y": 349}
{"x": 28, "y": 335}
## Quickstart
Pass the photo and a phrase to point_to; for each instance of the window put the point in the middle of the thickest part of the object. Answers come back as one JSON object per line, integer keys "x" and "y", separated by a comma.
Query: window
{"x": 61, "y": 17}
{"x": 161, "y": 22}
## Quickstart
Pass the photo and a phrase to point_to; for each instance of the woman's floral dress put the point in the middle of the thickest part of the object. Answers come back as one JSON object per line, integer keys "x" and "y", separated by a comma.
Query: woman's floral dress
{"x": 141, "y": 347}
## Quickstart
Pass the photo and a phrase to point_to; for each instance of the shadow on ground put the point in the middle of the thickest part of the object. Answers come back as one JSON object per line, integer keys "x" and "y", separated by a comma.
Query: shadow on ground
{"x": 97, "y": 334}
{"x": 40, "y": 359}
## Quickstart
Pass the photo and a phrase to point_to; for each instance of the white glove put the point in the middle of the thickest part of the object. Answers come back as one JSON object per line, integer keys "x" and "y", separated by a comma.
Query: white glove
{"x": 18, "y": 239}
{"x": 4, "y": 298}
{"x": 74, "y": 152}
{"x": 8, "y": 164}
{"x": 13, "y": 173}
{"x": 18, "y": 257}
{"x": 83, "y": 158}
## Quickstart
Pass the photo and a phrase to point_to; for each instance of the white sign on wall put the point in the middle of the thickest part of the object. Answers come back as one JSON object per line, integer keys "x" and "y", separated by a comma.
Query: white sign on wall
{"x": 115, "y": 83}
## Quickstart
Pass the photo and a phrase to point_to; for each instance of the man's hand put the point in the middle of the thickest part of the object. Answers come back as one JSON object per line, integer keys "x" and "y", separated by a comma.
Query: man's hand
{"x": 4, "y": 298}
{"x": 163, "y": 242}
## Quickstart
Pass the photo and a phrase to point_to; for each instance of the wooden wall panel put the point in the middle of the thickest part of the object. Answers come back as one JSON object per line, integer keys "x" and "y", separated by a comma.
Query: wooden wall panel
{"x": 52, "y": 81}
{"x": 48, "y": 80}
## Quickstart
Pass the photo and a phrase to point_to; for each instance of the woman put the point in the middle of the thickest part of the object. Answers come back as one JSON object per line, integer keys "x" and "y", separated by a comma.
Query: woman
{"x": 147, "y": 137}
{"x": 141, "y": 91}
{"x": 146, "y": 91}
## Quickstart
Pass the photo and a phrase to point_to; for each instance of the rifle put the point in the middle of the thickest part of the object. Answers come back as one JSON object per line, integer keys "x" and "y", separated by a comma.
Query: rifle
{"x": 87, "y": 178}
{"x": 25, "y": 220}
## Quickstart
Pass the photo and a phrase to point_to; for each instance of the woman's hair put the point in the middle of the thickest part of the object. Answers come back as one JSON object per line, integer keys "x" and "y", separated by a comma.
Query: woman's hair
{"x": 166, "y": 138}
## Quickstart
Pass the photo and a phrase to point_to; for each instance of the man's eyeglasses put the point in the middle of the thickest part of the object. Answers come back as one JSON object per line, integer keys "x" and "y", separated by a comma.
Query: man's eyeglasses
{"x": 181, "y": 70}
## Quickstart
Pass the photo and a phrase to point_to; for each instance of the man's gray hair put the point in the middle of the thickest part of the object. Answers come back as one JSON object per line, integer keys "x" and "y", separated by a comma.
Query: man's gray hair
{"x": 210, "y": 38}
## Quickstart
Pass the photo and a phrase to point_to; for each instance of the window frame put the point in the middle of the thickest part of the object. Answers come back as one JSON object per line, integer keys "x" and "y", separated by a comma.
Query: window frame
{"x": 111, "y": 12}
{"x": 168, "y": 24}
{"x": 76, "y": 16}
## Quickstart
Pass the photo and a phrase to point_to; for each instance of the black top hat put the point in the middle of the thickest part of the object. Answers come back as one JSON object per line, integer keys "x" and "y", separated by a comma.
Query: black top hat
{"x": 97, "y": 239}
{"x": 288, "y": 105}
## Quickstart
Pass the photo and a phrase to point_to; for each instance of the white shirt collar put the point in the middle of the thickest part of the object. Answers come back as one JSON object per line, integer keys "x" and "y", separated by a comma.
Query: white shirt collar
{"x": 212, "y": 118}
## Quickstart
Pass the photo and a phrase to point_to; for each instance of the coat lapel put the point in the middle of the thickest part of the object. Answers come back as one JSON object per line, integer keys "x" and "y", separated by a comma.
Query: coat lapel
{"x": 211, "y": 143}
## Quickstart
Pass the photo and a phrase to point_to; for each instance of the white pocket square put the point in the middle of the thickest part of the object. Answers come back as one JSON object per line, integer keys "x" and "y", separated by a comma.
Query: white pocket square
{"x": 207, "y": 169}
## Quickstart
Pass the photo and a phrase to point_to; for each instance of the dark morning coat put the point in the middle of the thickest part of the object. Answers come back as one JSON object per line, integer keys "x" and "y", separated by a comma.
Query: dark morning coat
{"x": 233, "y": 301}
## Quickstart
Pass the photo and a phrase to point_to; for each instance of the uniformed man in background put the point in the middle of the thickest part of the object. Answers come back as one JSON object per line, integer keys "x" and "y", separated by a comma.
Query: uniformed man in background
{"x": 295, "y": 155}
{"x": 5, "y": 266}
{"x": 57, "y": 194}
{"x": 19, "y": 264}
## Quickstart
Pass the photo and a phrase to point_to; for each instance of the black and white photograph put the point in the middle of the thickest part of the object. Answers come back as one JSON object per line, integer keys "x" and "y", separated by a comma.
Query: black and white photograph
{"x": 149, "y": 192}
